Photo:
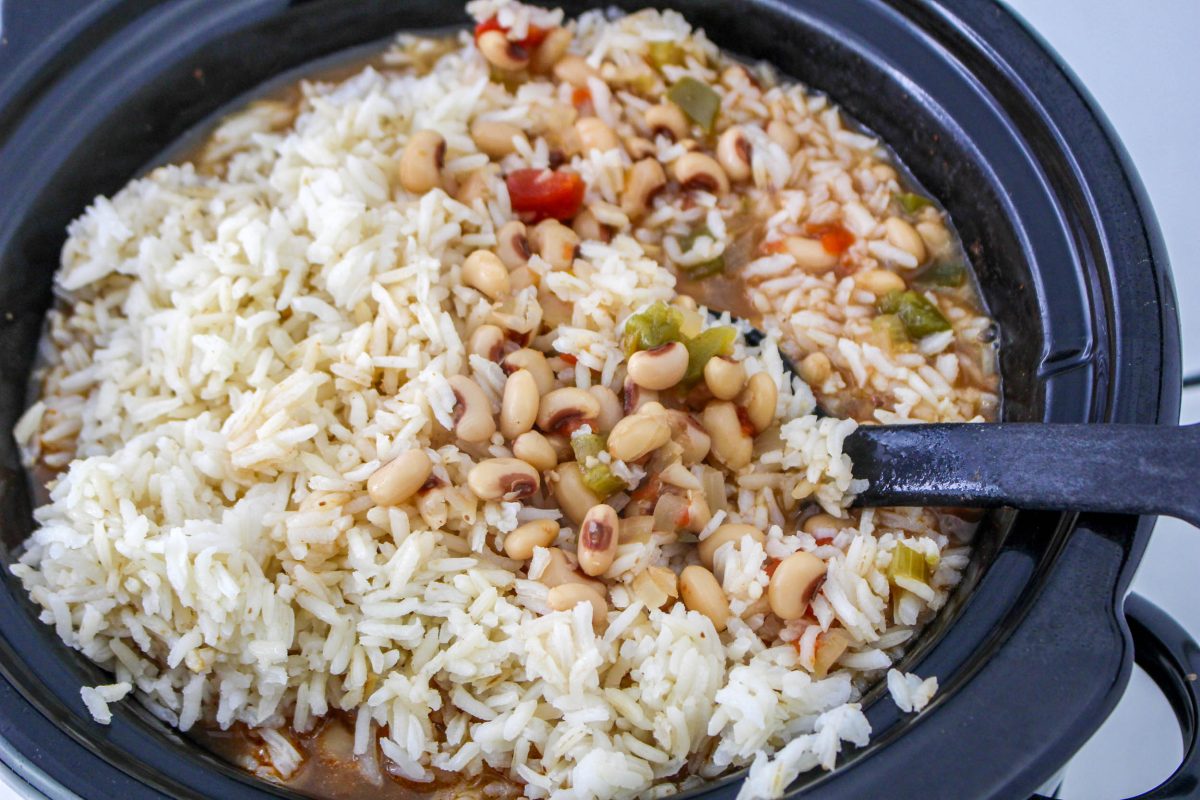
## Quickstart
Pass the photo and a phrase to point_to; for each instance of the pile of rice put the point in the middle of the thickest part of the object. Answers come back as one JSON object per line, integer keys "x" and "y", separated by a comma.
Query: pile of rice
{"x": 244, "y": 342}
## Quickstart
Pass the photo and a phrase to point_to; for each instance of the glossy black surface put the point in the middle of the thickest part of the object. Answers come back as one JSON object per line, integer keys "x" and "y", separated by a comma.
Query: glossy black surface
{"x": 1115, "y": 469}
{"x": 1031, "y": 654}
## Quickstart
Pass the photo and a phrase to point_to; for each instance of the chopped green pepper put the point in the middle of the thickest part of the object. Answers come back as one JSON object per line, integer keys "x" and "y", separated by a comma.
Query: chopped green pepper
{"x": 716, "y": 341}
{"x": 911, "y": 203}
{"x": 948, "y": 273}
{"x": 587, "y": 445}
{"x": 657, "y": 325}
{"x": 892, "y": 327}
{"x": 601, "y": 481}
{"x": 908, "y": 563}
{"x": 920, "y": 317}
{"x": 663, "y": 53}
{"x": 697, "y": 99}
{"x": 705, "y": 269}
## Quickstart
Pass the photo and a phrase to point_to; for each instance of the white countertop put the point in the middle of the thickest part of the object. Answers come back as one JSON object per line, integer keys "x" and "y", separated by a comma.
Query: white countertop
{"x": 1140, "y": 60}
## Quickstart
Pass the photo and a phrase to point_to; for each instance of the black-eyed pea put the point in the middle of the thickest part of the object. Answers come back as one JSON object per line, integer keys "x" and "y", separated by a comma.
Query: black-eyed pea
{"x": 487, "y": 341}
{"x": 473, "y": 421}
{"x": 637, "y": 436}
{"x": 655, "y": 587}
{"x": 422, "y": 161}
{"x": 729, "y": 532}
{"x": 731, "y": 444}
{"x": 534, "y": 449}
{"x": 505, "y": 479}
{"x": 554, "y": 242}
{"x": 595, "y": 134}
{"x": 659, "y": 367}
{"x": 574, "y": 70}
{"x": 484, "y": 271}
{"x": 646, "y": 178}
{"x": 570, "y": 492}
{"x": 784, "y": 135}
{"x": 825, "y": 524}
{"x": 760, "y": 398}
{"x": 473, "y": 187}
{"x": 550, "y": 51}
{"x": 564, "y": 408}
{"x": 698, "y": 171}
{"x": 586, "y": 227}
{"x": 501, "y": 52}
{"x": 810, "y": 255}
{"x": 667, "y": 119}
{"x": 512, "y": 244}
{"x": 879, "y": 281}
{"x": 795, "y": 580}
{"x": 522, "y": 278}
{"x": 724, "y": 378}
{"x": 816, "y": 368}
{"x": 598, "y": 539}
{"x": 639, "y": 147}
{"x": 634, "y": 397}
{"x": 702, "y": 592}
{"x": 519, "y": 404}
{"x": 559, "y": 572}
{"x": 561, "y": 442}
{"x": 935, "y": 236}
{"x": 733, "y": 153}
{"x": 495, "y": 138}
{"x": 611, "y": 411}
{"x": 535, "y": 362}
{"x": 566, "y": 596}
{"x": 400, "y": 478}
{"x": 903, "y": 235}
{"x": 519, "y": 543}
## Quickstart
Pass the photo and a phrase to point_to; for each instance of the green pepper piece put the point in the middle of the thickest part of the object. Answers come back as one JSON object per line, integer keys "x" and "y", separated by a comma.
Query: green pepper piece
{"x": 657, "y": 325}
{"x": 697, "y": 99}
{"x": 587, "y": 445}
{"x": 716, "y": 341}
{"x": 891, "y": 325}
{"x": 911, "y": 203}
{"x": 920, "y": 317}
{"x": 706, "y": 269}
{"x": 663, "y": 53}
{"x": 908, "y": 563}
{"x": 948, "y": 274}
{"x": 602, "y": 482}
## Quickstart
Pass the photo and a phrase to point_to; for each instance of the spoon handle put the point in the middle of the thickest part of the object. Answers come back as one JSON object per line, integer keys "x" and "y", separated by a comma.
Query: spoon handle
{"x": 1121, "y": 469}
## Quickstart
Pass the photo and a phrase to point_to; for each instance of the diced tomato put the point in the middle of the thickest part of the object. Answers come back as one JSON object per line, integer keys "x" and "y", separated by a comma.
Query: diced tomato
{"x": 570, "y": 359}
{"x": 773, "y": 248}
{"x": 542, "y": 193}
{"x": 744, "y": 418}
{"x": 771, "y": 564}
{"x": 834, "y": 238}
{"x": 532, "y": 39}
{"x": 581, "y": 98}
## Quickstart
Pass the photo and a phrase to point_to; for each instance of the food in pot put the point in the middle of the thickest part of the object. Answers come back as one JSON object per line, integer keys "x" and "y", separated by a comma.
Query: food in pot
{"x": 399, "y": 442}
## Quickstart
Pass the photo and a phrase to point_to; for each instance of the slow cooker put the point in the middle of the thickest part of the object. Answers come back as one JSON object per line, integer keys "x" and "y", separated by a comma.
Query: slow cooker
{"x": 1035, "y": 647}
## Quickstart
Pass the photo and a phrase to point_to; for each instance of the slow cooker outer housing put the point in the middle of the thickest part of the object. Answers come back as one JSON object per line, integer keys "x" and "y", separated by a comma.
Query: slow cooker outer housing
{"x": 1032, "y": 653}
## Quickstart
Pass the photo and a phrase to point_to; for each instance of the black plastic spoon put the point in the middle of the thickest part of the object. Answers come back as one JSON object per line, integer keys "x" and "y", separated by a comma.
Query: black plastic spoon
{"x": 1111, "y": 468}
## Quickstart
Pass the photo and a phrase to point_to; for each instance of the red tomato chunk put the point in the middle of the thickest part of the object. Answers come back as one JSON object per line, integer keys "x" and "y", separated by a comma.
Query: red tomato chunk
{"x": 544, "y": 193}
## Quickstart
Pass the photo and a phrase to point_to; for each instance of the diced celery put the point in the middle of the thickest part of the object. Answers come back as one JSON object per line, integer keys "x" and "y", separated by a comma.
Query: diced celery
{"x": 911, "y": 203}
{"x": 663, "y": 53}
{"x": 587, "y": 445}
{"x": 946, "y": 273}
{"x": 891, "y": 326}
{"x": 697, "y": 99}
{"x": 908, "y": 563}
{"x": 706, "y": 269}
{"x": 716, "y": 341}
{"x": 601, "y": 481}
{"x": 655, "y": 326}
{"x": 920, "y": 317}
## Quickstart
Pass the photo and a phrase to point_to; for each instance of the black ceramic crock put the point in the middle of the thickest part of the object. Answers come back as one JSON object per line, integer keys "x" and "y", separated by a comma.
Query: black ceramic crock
{"x": 1033, "y": 650}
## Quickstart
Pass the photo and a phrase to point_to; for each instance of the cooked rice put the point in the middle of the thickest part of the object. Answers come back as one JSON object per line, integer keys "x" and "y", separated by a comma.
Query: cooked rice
{"x": 243, "y": 342}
